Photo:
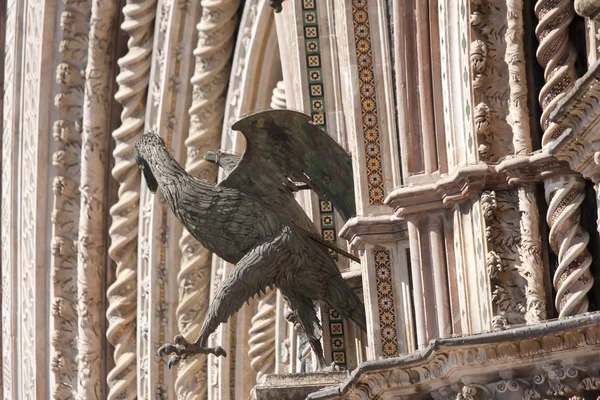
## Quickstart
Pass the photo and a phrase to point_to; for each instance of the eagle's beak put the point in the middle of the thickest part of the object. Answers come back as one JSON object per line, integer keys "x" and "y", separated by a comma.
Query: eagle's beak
{"x": 149, "y": 177}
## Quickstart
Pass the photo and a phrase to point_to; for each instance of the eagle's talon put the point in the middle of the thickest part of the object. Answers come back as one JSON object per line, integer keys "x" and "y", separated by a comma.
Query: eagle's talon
{"x": 169, "y": 348}
{"x": 322, "y": 367}
{"x": 179, "y": 340}
{"x": 218, "y": 351}
{"x": 173, "y": 361}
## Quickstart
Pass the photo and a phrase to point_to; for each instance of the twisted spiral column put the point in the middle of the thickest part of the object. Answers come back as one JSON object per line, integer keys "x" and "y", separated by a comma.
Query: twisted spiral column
{"x": 216, "y": 40}
{"x": 122, "y": 294}
{"x": 572, "y": 279}
{"x": 564, "y": 195}
{"x": 278, "y": 100}
{"x": 262, "y": 336}
{"x": 557, "y": 56}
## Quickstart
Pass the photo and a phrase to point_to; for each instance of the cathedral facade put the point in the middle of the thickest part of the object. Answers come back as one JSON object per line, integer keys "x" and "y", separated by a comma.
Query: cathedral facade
{"x": 476, "y": 173}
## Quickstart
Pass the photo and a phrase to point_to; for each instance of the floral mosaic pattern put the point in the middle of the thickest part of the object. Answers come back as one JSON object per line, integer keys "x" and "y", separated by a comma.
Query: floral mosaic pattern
{"x": 368, "y": 99}
{"x": 328, "y": 230}
{"x": 336, "y": 335}
{"x": 385, "y": 303}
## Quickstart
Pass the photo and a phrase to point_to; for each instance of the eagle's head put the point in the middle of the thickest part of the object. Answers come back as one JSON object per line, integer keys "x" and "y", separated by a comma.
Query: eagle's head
{"x": 145, "y": 151}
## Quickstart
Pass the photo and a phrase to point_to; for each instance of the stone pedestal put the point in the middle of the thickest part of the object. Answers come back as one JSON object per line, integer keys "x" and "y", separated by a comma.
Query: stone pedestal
{"x": 295, "y": 386}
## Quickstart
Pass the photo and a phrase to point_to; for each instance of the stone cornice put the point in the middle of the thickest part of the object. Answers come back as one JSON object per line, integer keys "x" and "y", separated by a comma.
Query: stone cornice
{"x": 579, "y": 113}
{"x": 360, "y": 230}
{"x": 445, "y": 361}
{"x": 467, "y": 180}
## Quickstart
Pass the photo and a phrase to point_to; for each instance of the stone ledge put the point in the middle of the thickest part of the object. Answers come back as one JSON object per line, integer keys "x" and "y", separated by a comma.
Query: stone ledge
{"x": 376, "y": 229}
{"x": 467, "y": 180}
{"x": 295, "y": 386}
{"x": 525, "y": 351}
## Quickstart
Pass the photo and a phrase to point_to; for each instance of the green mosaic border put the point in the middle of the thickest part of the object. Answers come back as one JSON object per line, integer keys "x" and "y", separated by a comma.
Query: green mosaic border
{"x": 316, "y": 93}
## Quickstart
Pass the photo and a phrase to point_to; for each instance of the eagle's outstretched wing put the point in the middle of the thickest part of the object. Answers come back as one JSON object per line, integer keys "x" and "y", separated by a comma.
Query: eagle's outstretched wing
{"x": 282, "y": 149}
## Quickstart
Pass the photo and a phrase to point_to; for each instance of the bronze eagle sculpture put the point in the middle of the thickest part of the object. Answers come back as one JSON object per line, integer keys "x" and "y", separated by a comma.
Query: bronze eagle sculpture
{"x": 252, "y": 220}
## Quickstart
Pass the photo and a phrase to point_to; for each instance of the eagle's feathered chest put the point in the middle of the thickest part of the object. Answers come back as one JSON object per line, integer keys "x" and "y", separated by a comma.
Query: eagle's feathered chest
{"x": 225, "y": 221}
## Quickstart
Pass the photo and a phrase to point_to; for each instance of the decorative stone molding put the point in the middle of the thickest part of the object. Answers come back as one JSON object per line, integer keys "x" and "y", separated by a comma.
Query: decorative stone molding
{"x": 91, "y": 261}
{"x": 9, "y": 199}
{"x": 440, "y": 367}
{"x": 507, "y": 286}
{"x": 489, "y": 75}
{"x": 158, "y": 252}
{"x": 467, "y": 180}
{"x": 294, "y": 386}
{"x": 72, "y": 52}
{"x": 122, "y": 294}
{"x": 213, "y": 53}
{"x": 28, "y": 122}
{"x": 513, "y": 260}
{"x": 530, "y": 254}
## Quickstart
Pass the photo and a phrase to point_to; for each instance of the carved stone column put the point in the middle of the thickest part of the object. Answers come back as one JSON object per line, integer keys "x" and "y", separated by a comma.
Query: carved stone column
{"x": 74, "y": 26}
{"x": 530, "y": 247}
{"x": 563, "y": 194}
{"x": 159, "y": 230}
{"x": 122, "y": 294}
{"x": 91, "y": 262}
{"x": 255, "y": 71}
{"x": 580, "y": 147}
{"x": 213, "y": 53}
{"x": 262, "y": 336}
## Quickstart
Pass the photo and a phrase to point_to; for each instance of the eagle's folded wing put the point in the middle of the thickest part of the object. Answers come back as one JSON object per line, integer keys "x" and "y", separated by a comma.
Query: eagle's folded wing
{"x": 283, "y": 146}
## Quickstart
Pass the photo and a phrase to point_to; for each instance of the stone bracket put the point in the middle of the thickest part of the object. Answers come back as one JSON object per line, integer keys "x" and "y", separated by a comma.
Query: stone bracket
{"x": 385, "y": 228}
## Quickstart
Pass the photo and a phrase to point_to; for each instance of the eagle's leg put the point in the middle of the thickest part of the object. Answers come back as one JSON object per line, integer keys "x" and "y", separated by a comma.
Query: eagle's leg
{"x": 181, "y": 349}
{"x": 306, "y": 316}
{"x": 252, "y": 274}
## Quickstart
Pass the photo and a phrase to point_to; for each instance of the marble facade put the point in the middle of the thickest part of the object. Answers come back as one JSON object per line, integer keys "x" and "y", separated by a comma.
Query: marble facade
{"x": 471, "y": 125}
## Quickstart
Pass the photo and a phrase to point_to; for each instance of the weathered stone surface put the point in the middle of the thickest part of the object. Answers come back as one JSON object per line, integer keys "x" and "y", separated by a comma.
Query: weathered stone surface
{"x": 295, "y": 386}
